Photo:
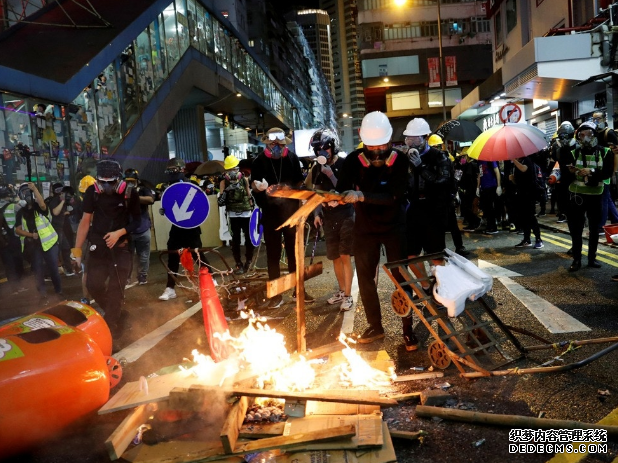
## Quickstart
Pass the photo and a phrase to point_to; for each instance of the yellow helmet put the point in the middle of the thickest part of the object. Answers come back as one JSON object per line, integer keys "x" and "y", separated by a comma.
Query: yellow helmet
{"x": 435, "y": 140}
{"x": 360, "y": 145}
{"x": 85, "y": 182}
{"x": 230, "y": 162}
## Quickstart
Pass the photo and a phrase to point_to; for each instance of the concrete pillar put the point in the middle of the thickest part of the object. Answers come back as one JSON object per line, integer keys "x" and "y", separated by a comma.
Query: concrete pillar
{"x": 189, "y": 134}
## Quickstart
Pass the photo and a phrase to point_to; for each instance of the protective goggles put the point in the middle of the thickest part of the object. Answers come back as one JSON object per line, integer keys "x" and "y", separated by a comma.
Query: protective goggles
{"x": 415, "y": 139}
{"x": 107, "y": 181}
{"x": 172, "y": 170}
{"x": 276, "y": 136}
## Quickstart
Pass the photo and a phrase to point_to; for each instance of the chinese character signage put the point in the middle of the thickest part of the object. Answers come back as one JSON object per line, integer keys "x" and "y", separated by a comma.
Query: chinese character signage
{"x": 433, "y": 65}
{"x": 451, "y": 70}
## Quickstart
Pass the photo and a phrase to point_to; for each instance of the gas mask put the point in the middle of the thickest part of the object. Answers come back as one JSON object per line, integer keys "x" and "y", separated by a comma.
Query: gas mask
{"x": 27, "y": 198}
{"x": 22, "y": 203}
{"x": 174, "y": 175}
{"x": 107, "y": 187}
{"x": 323, "y": 157}
{"x": 417, "y": 142}
{"x": 377, "y": 158}
{"x": 276, "y": 151}
{"x": 589, "y": 141}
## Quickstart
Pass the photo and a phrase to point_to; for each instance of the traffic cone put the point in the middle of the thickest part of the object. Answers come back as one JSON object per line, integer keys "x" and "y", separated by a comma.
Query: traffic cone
{"x": 214, "y": 319}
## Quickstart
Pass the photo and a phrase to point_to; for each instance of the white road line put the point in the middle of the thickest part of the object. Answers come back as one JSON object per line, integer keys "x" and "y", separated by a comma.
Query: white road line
{"x": 134, "y": 351}
{"x": 347, "y": 325}
{"x": 550, "y": 316}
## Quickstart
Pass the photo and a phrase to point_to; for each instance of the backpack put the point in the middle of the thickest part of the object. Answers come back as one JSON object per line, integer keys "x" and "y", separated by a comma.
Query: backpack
{"x": 236, "y": 197}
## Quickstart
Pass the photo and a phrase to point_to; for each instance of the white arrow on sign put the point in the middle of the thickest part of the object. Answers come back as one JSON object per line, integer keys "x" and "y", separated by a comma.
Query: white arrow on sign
{"x": 181, "y": 213}
{"x": 550, "y": 316}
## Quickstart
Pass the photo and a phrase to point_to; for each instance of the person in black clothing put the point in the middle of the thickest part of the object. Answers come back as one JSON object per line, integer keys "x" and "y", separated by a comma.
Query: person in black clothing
{"x": 467, "y": 192}
{"x": 583, "y": 170}
{"x": 277, "y": 165}
{"x": 111, "y": 214}
{"x": 58, "y": 206}
{"x": 607, "y": 137}
{"x": 375, "y": 179}
{"x": 336, "y": 219}
{"x": 428, "y": 191}
{"x": 564, "y": 143}
{"x": 179, "y": 238}
{"x": 524, "y": 178}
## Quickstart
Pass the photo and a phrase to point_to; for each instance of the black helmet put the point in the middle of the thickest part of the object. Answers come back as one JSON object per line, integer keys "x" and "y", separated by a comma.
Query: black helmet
{"x": 175, "y": 163}
{"x": 566, "y": 130}
{"x": 108, "y": 169}
{"x": 131, "y": 173}
{"x": 324, "y": 139}
{"x": 57, "y": 188}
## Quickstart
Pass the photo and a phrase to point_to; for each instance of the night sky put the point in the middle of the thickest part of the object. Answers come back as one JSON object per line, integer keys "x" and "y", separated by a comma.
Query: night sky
{"x": 287, "y": 5}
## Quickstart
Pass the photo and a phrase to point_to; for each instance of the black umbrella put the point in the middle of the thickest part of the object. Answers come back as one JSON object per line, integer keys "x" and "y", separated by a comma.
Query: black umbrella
{"x": 459, "y": 130}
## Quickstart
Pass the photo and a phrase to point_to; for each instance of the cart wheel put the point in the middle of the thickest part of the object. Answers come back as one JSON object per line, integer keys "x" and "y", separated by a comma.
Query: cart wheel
{"x": 400, "y": 303}
{"x": 438, "y": 356}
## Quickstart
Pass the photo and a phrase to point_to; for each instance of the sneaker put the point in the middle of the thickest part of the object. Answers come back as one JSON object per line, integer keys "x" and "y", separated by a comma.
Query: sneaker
{"x": 335, "y": 298}
{"x": 142, "y": 282}
{"x": 538, "y": 244}
{"x": 371, "y": 334}
{"x": 541, "y": 214}
{"x": 239, "y": 269}
{"x": 490, "y": 232}
{"x": 523, "y": 244}
{"x": 462, "y": 251}
{"x": 69, "y": 273}
{"x": 130, "y": 284}
{"x": 169, "y": 293}
{"x": 273, "y": 303}
{"x": 346, "y": 304}
{"x": 410, "y": 341}
{"x": 512, "y": 227}
{"x": 308, "y": 297}
{"x": 561, "y": 218}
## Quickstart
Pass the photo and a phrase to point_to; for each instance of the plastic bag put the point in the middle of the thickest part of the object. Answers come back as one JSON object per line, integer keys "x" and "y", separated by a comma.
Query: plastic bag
{"x": 453, "y": 286}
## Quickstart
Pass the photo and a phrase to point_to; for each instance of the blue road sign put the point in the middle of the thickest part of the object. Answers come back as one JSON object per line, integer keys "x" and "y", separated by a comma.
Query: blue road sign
{"x": 255, "y": 228}
{"x": 185, "y": 205}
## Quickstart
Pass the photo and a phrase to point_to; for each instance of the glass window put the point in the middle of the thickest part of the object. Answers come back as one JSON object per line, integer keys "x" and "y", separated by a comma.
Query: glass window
{"x": 434, "y": 97}
{"x": 145, "y": 75}
{"x": 194, "y": 37}
{"x": 14, "y": 133}
{"x": 128, "y": 77}
{"x": 511, "y": 15}
{"x": 209, "y": 35}
{"x": 498, "y": 27}
{"x": 405, "y": 100}
{"x": 171, "y": 36}
{"x": 159, "y": 55}
{"x": 201, "y": 33}
{"x": 183, "y": 26}
{"x": 106, "y": 101}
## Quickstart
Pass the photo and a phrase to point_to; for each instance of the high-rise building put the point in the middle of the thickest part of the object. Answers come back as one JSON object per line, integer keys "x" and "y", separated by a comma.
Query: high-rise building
{"x": 402, "y": 53}
{"x": 349, "y": 96}
{"x": 316, "y": 28}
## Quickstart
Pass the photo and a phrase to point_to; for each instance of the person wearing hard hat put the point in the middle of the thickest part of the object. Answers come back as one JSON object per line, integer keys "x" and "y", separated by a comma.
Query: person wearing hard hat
{"x": 563, "y": 143}
{"x": 428, "y": 191}
{"x": 277, "y": 165}
{"x": 235, "y": 196}
{"x": 374, "y": 179}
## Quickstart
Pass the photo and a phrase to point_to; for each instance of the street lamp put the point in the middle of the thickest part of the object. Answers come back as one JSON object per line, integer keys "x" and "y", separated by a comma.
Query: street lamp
{"x": 442, "y": 76}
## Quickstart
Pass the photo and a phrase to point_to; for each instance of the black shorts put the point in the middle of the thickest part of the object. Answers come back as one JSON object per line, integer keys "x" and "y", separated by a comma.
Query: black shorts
{"x": 339, "y": 237}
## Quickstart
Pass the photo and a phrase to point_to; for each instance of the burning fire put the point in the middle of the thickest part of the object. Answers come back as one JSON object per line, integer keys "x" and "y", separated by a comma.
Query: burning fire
{"x": 261, "y": 349}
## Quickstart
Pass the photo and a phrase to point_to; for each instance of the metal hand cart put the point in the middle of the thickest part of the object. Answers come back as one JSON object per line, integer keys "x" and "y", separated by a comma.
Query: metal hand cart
{"x": 477, "y": 338}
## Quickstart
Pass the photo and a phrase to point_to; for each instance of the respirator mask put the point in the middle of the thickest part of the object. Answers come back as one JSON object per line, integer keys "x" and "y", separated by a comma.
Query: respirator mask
{"x": 322, "y": 157}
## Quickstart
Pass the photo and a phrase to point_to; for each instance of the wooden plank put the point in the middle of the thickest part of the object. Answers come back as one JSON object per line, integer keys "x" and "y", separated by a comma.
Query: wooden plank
{"x": 288, "y": 281}
{"x": 299, "y": 250}
{"x": 283, "y": 442}
{"x": 368, "y": 431}
{"x": 322, "y": 396}
{"x": 301, "y": 214}
{"x": 120, "y": 439}
{"x": 232, "y": 424}
{"x": 337, "y": 408}
{"x": 416, "y": 377}
{"x": 261, "y": 430}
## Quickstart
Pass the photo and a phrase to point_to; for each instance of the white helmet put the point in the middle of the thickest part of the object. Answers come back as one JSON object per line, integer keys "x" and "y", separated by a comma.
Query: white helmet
{"x": 375, "y": 129}
{"x": 417, "y": 127}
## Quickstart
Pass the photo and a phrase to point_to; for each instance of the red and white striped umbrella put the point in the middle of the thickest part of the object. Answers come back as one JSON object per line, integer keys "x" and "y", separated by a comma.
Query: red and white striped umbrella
{"x": 507, "y": 142}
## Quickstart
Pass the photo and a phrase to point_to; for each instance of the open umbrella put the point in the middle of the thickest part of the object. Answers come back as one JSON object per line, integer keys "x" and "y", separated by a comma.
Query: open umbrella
{"x": 507, "y": 142}
{"x": 458, "y": 130}
{"x": 209, "y": 168}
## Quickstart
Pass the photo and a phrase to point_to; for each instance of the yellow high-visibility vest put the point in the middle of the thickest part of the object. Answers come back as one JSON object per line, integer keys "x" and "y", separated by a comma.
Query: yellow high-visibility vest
{"x": 47, "y": 235}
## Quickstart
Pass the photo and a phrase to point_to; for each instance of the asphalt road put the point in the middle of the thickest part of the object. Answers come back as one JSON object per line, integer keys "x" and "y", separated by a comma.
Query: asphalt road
{"x": 587, "y": 296}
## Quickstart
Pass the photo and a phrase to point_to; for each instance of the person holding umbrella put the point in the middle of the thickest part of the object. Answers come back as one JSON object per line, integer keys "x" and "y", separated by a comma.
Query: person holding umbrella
{"x": 584, "y": 169}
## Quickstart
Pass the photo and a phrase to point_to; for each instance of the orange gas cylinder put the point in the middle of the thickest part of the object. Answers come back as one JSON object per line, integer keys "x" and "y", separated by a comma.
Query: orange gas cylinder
{"x": 49, "y": 378}
{"x": 69, "y": 313}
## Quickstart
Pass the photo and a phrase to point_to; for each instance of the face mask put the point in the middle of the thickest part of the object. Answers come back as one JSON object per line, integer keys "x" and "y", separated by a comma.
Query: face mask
{"x": 601, "y": 125}
{"x": 22, "y": 203}
{"x": 463, "y": 161}
{"x": 175, "y": 176}
{"x": 276, "y": 151}
{"x": 107, "y": 188}
{"x": 590, "y": 142}
{"x": 323, "y": 157}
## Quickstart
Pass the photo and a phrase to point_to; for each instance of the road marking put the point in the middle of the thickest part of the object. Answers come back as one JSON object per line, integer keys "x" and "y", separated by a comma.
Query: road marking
{"x": 550, "y": 316}
{"x": 134, "y": 351}
{"x": 567, "y": 245}
{"x": 347, "y": 325}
